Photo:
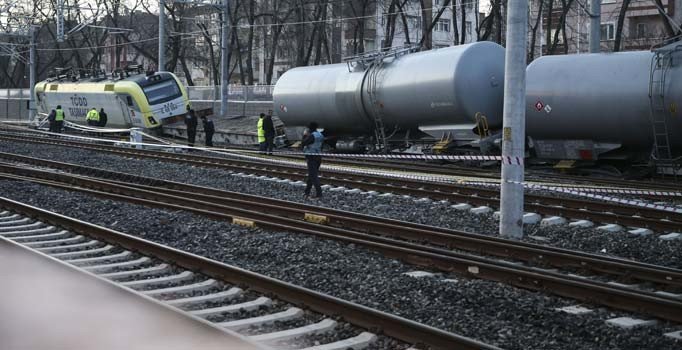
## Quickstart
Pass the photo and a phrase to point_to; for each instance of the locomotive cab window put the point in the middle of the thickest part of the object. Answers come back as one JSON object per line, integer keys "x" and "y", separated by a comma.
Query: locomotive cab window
{"x": 162, "y": 91}
{"x": 129, "y": 99}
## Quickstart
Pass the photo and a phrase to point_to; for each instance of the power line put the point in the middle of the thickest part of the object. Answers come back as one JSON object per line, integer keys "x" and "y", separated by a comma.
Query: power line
{"x": 248, "y": 26}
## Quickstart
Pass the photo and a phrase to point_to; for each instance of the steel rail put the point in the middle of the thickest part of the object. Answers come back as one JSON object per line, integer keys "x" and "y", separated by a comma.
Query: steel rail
{"x": 359, "y": 315}
{"x": 558, "y": 206}
{"x": 413, "y": 165}
{"x": 455, "y": 170}
{"x": 620, "y": 213}
{"x": 464, "y": 264}
{"x": 481, "y": 244}
{"x": 534, "y": 253}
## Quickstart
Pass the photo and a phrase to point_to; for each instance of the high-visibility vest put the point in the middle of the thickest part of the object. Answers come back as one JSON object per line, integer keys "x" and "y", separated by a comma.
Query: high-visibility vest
{"x": 261, "y": 131}
{"x": 93, "y": 115}
{"x": 59, "y": 115}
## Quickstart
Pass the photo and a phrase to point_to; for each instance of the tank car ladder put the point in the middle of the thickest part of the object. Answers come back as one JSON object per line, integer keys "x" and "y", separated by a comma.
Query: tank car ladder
{"x": 372, "y": 88}
{"x": 661, "y": 63}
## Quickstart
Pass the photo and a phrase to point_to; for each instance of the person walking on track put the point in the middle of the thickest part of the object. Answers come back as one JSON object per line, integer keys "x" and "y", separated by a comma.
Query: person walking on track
{"x": 312, "y": 147}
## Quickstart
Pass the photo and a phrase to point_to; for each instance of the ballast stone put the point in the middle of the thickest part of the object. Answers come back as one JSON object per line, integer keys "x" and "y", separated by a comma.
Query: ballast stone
{"x": 419, "y": 274}
{"x": 574, "y": 310}
{"x": 531, "y": 218}
{"x": 629, "y": 322}
{"x": 677, "y": 335}
{"x": 610, "y": 228}
{"x": 670, "y": 236}
{"x": 581, "y": 223}
{"x": 461, "y": 206}
{"x": 552, "y": 221}
{"x": 480, "y": 210}
{"x": 641, "y": 232}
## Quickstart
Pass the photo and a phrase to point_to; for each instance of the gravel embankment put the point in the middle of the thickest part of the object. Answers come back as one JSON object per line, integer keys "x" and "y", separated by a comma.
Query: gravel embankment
{"x": 498, "y": 314}
{"x": 649, "y": 249}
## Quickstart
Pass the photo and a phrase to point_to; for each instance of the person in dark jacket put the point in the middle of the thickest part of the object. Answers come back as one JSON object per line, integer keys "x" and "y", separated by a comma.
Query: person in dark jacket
{"x": 191, "y": 122}
{"x": 269, "y": 128}
{"x": 312, "y": 147}
{"x": 50, "y": 119}
{"x": 209, "y": 130}
{"x": 102, "y": 118}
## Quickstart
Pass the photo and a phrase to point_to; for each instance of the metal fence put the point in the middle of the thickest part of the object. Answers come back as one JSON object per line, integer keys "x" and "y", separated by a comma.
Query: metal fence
{"x": 236, "y": 93}
{"x": 14, "y": 104}
{"x": 243, "y": 100}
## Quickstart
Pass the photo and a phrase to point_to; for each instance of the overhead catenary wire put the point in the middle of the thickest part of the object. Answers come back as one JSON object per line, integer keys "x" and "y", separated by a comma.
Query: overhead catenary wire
{"x": 199, "y": 33}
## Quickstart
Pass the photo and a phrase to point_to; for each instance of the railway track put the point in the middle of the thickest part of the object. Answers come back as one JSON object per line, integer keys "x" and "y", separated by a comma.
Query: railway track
{"x": 266, "y": 310}
{"x": 618, "y": 283}
{"x": 423, "y": 166}
{"x": 608, "y": 213}
{"x": 464, "y": 171}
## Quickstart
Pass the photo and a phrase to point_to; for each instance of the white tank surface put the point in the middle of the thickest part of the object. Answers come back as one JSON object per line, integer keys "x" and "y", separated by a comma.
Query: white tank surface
{"x": 447, "y": 86}
{"x": 600, "y": 98}
{"x": 327, "y": 94}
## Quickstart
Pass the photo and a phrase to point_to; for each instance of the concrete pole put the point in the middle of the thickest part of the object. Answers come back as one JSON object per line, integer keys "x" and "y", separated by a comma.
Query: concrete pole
{"x": 162, "y": 36}
{"x": 224, "y": 62}
{"x": 32, "y": 75}
{"x": 595, "y": 26}
{"x": 514, "y": 121}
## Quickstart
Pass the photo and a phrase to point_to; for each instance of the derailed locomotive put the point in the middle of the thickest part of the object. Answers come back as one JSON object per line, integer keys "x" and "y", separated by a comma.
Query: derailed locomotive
{"x": 130, "y": 97}
{"x": 587, "y": 106}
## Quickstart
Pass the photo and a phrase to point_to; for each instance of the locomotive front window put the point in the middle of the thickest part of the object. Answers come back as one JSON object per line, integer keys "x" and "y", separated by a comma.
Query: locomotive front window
{"x": 162, "y": 91}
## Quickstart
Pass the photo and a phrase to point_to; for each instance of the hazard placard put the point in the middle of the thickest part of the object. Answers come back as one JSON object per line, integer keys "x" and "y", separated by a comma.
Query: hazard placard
{"x": 539, "y": 106}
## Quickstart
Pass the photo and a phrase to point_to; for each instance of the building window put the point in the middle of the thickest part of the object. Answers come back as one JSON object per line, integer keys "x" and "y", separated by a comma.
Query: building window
{"x": 642, "y": 30}
{"x": 608, "y": 1}
{"x": 608, "y": 31}
{"x": 443, "y": 25}
{"x": 467, "y": 27}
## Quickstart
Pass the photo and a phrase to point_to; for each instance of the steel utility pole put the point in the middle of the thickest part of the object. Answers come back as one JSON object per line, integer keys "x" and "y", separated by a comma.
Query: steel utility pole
{"x": 162, "y": 36}
{"x": 224, "y": 58}
{"x": 514, "y": 121}
{"x": 595, "y": 26}
{"x": 32, "y": 73}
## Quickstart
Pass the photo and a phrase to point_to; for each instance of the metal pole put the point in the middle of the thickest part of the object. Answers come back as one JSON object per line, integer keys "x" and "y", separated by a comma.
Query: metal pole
{"x": 32, "y": 75}
{"x": 514, "y": 121}
{"x": 224, "y": 62}
{"x": 162, "y": 36}
{"x": 595, "y": 26}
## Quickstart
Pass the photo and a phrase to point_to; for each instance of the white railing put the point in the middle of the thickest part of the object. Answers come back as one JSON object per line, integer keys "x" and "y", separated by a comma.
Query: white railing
{"x": 14, "y": 103}
{"x": 236, "y": 93}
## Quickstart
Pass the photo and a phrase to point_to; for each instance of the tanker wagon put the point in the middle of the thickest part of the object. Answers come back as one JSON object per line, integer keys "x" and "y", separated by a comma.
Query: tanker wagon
{"x": 431, "y": 94}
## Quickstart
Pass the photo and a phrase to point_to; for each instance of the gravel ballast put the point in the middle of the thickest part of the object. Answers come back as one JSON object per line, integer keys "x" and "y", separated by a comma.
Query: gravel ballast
{"x": 508, "y": 317}
{"x": 649, "y": 249}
